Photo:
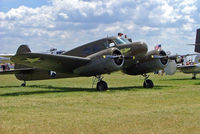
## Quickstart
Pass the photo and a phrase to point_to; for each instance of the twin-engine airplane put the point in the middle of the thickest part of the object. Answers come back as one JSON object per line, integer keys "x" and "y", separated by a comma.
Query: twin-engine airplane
{"x": 93, "y": 59}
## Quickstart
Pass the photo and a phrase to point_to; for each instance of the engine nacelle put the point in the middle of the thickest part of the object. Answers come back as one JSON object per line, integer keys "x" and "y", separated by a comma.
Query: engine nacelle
{"x": 147, "y": 65}
{"x": 100, "y": 64}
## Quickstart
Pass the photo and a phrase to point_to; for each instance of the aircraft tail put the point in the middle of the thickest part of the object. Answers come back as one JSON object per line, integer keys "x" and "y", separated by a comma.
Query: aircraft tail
{"x": 23, "y": 49}
{"x": 20, "y": 50}
{"x": 197, "y": 42}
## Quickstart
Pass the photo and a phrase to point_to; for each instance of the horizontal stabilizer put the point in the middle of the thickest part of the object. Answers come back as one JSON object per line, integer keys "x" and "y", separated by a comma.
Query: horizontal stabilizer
{"x": 58, "y": 63}
{"x": 16, "y": 71}
{"x": 6, "y": 55}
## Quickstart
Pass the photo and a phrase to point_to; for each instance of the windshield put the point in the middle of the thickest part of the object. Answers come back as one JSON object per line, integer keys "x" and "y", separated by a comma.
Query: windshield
{"x": 121, "y": 41}
{"x": 125, "y": 40}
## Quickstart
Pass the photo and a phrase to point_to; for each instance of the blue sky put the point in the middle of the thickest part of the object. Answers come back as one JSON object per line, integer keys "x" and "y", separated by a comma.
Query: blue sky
{"x": 6, "y": 5}
{"x": 65, "y": 24}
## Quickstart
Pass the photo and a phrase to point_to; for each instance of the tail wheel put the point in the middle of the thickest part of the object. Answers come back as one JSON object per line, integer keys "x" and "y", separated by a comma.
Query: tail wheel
{"x": 193, "y": 77}
{"x": 148, "y": 84}
{"x": 23, "y": 84}
{"x": 102, "y": 86}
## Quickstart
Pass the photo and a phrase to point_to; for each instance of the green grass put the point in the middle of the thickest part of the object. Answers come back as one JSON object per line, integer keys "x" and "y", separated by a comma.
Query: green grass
{"x": 72, "y": 106}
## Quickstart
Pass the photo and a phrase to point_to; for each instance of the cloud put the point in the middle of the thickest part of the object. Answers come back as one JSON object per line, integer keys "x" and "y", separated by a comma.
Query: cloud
{"x": 189, "y": 9}
{"x": 69, "y": 23}
{"x": 64, "y": 15}
{"x": 187, "y": 27}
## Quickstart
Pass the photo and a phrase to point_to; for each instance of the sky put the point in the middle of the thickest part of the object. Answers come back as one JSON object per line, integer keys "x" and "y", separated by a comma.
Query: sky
{"x": 66, "y": 24}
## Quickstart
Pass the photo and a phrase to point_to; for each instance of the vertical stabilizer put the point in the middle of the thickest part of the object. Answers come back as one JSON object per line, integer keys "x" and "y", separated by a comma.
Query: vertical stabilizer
{"x": 23, "y": 49}
{"x": 20, "y": 50}
{"x": 197, "y": 42}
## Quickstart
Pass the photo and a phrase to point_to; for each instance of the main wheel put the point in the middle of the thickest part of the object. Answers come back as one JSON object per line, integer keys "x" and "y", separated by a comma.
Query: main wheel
{"x": 102, "y": 86}
{"x": 148, "y": 84}
{"x": 23, "y": 84}
{"x": 193, "y": 77}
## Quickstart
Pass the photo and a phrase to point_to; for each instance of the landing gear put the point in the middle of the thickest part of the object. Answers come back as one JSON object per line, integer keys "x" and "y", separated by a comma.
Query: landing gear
{"x": 101, "y": 85}
{"x": 23, "y": 84}
{"x": 194, "y": 76}
{"x": 147, "y": 82}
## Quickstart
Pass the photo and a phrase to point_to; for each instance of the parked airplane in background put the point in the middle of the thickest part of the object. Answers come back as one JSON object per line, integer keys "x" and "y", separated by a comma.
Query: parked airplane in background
{"x": 5, "y": 63}
{"x": 4, "y": 60}
{"x": 92, "y": 59}
{"x": 192, "y": 67}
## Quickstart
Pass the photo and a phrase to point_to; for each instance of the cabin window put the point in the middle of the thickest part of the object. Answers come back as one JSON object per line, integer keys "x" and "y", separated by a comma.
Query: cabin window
{"x": 109, "y": 43}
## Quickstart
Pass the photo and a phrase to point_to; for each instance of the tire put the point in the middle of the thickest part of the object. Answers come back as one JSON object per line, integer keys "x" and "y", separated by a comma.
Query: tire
{"x": 102, "y": 86}
{"x": 194, "y": 78}
{"x": 23, "y": 84}
{"x": 105, "y": 85}
{"x": 148, "y": 84}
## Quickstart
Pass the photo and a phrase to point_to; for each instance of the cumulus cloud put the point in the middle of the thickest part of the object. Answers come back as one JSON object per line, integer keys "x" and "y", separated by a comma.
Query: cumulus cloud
{"x": 65, "y": 16}
{"x": 69, "y": 23}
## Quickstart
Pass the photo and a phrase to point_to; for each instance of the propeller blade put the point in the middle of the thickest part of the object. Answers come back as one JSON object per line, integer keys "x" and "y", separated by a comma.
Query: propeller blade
{"x": 111, "y": 56}
{"x": 158, "y": 57}
{"x": 119, "y": 56}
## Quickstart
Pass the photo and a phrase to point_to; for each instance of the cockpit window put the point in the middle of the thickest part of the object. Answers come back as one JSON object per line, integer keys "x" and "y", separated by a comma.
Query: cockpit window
{"x": 125, "y": 40}
{"x": 116, "y": 41}
{"x": 121, "y": 41}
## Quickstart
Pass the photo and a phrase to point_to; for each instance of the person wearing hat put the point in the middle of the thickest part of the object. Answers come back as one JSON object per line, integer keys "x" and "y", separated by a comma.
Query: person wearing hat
{"x": 120, "y": 34}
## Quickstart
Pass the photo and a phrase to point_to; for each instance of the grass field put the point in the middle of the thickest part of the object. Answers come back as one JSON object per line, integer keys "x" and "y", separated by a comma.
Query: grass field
{"x": 72, "y": 106}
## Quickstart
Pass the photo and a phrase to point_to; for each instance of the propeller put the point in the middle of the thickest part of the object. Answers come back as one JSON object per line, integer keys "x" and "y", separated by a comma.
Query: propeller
{"x": 171, "y": 57}
{"x": 118, "y": 56}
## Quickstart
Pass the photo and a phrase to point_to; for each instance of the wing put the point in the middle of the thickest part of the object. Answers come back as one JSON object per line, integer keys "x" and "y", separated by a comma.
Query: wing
{"x": 187, "y": 66}
{"x": 58, "y": 63}
{"x": 5, "y": 58}
{"x": 6, "y": 55}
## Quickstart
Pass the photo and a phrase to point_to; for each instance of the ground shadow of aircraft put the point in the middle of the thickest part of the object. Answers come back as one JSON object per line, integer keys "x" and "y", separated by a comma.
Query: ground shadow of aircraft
{"x": 197, "y": 83}
{"x": 178, "y": 79}
{"x": 68, "y": 89}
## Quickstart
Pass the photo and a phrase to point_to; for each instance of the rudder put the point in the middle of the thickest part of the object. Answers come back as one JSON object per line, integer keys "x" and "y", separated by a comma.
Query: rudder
{"x": 197, "y": 41}
{"x": 20, "y": 50}
{"x": 23, "y": 49}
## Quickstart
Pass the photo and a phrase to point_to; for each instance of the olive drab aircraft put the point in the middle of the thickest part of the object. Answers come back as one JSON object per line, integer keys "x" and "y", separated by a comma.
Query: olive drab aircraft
{"x": 103, "y": 56}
